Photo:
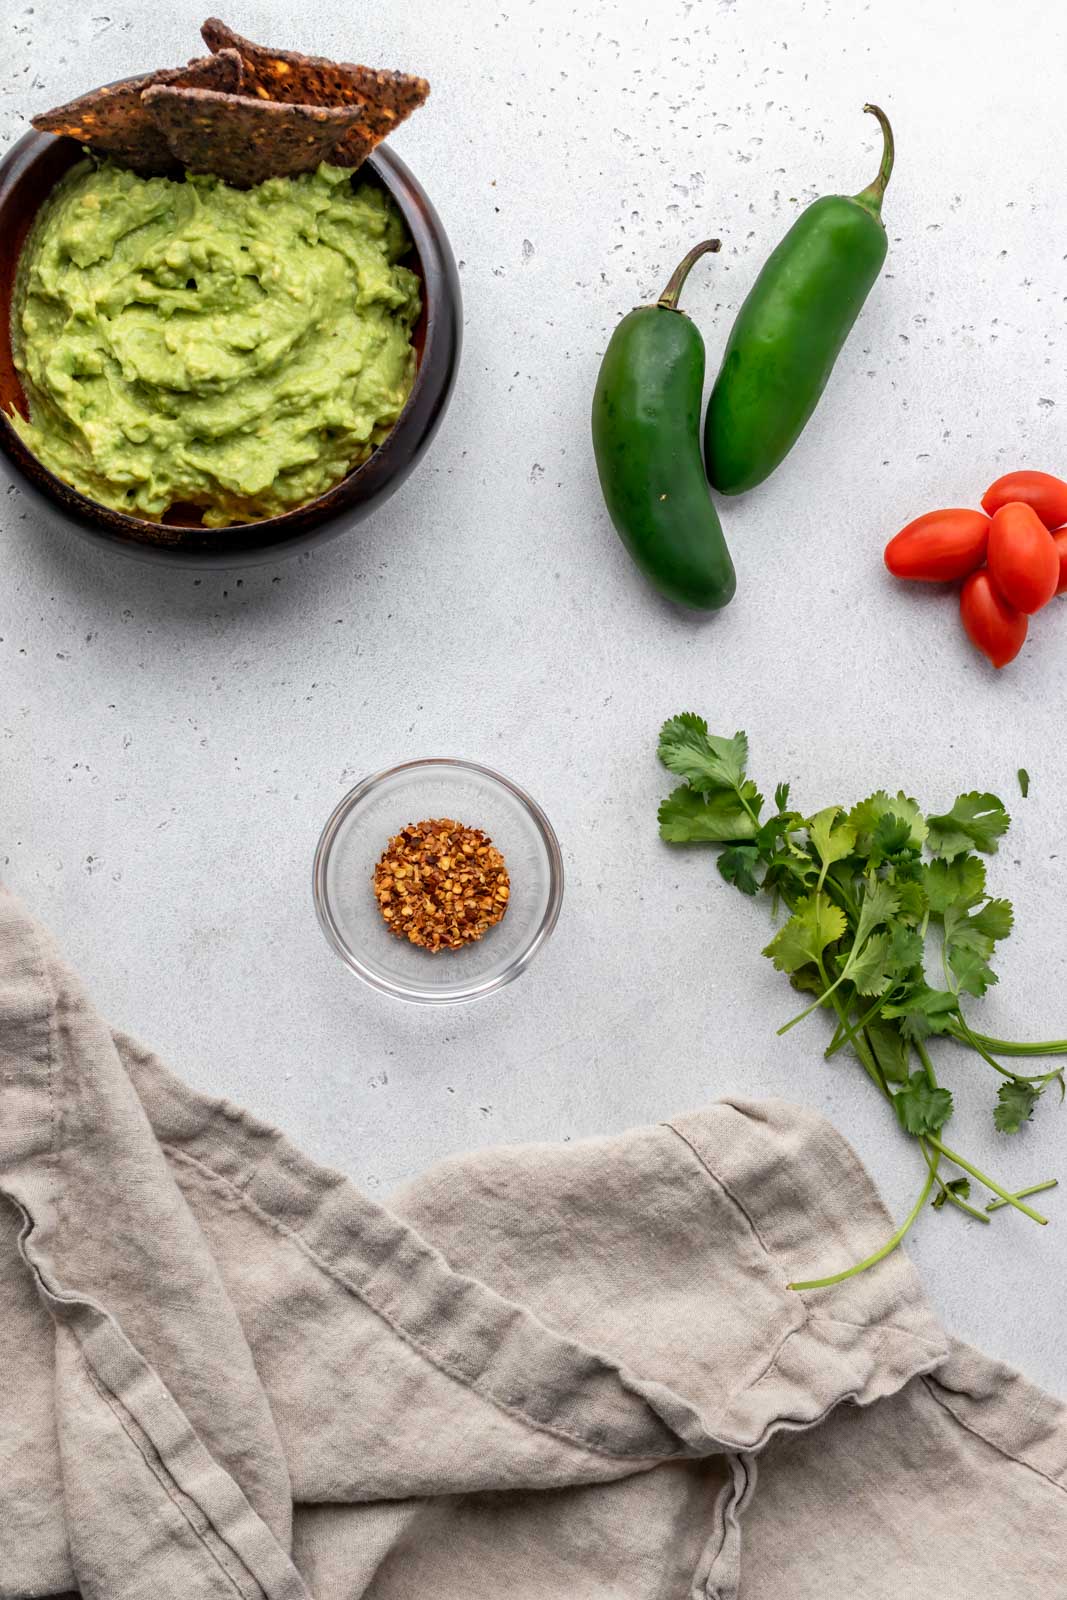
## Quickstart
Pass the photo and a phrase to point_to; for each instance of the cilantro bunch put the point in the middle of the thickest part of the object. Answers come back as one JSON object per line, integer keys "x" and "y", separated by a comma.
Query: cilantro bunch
{"x": 872, "y": 893}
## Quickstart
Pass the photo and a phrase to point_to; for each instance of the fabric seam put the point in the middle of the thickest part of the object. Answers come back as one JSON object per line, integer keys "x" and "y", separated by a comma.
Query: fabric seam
{"x": 435, "y": 1361}
{"x": 804, "y": 1424}
{"x": 162, "y": 1477}
{"x": 44, "y": 969}
{"x": 729, "y": 1504}
{"x": 809, "y": 1316}
{"x": 805, "y": 1315}
{"x": 724, "y": 1186}
{"x": 994, "y": 1444}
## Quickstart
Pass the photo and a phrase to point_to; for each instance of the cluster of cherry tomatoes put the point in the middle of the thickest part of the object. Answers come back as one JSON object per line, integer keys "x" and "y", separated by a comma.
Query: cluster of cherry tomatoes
{"x": 1012, "y": 555}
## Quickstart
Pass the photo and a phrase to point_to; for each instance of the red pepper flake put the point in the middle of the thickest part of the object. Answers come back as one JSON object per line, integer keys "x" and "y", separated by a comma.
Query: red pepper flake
{"x": 441, "y": 885}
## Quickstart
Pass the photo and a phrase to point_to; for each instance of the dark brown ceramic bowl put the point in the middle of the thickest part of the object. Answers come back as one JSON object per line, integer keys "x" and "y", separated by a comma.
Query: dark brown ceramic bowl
{"x": 30, "y": 171}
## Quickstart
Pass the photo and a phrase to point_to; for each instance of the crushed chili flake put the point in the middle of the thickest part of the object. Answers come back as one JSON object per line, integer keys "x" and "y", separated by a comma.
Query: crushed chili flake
{"x": 440, "y": 884}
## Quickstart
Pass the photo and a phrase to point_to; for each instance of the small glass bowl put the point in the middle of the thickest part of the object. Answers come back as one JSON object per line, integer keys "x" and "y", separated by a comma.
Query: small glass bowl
{"x": 357, "y": 834}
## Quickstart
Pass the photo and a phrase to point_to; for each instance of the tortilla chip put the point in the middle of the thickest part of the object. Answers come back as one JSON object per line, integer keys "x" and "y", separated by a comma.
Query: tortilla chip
{"x": 242, "y": 140}
{"x": 386, "y": 98}
{"x": 114, "y": 122}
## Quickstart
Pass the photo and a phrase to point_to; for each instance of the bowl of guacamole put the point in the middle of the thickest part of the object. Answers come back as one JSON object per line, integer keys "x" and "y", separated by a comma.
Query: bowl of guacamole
{"x": 214, "y": 374}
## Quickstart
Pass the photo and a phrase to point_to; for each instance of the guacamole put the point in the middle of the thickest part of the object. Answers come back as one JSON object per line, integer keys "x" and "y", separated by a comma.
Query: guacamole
{"x": 235, "y": 349}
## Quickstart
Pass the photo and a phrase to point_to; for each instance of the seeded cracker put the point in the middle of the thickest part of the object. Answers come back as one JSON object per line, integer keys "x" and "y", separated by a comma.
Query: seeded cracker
{"x": 386, "y": 98}
{"x": 243, "y": 141}
{"x": 114, "y": 121}
{"x": 244, "y": 113}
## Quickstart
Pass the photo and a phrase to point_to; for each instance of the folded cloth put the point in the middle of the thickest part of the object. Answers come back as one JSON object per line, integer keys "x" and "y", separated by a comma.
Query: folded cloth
{"x": 545, "y": 1372}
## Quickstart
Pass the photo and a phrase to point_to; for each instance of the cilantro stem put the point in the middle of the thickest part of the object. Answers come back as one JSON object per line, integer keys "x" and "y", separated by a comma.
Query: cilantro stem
{"x": 990, "y": 1183}
{"x": 1017, "y": 1047}
{"x": 841, "y": 1034}
{"x": 866, "y": 1056}
{"x": 879, "y": 1255}
{"x": 816, "y": 1003}
{"x": 1035, "y": 1188}
{"x": 839, "y": 1037}
{"x": 965, "y": 1205}
{"x": 822, "y": 998}
{"x": 927, "y": 1065}
{"x": 881, "y": 1079}
{"x": 974, "y": 1040}
{"x": 1009, "y": 1199}
{"x": 933, "y": 1162}
{"x": 950, "y": 982}
{"x": 739, "y": 791}
{"x": 931, "y": 1078}
{"x": 839, "y": 895}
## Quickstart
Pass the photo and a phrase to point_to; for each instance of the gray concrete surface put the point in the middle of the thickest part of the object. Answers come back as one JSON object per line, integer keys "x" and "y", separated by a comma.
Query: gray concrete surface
{"x": 170, "y": 744}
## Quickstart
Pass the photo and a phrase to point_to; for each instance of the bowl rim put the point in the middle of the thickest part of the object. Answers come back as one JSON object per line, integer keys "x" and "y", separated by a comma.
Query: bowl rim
{"x": 411, "y": 993}
{"x": 274, "y": 538}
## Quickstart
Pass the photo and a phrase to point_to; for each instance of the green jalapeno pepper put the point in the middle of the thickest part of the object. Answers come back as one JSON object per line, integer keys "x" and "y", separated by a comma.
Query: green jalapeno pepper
{"x": 646, "y": 438}
{"x": 790, "y": 330}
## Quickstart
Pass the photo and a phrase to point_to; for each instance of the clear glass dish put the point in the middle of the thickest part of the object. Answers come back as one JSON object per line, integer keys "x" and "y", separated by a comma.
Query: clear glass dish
{"x": 361, "y": 827}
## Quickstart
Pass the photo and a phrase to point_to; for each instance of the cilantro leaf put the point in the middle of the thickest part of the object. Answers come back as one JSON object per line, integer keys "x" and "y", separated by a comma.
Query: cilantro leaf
{"x": 686, "y": 817}
{"x": 1024, "y": 782}
{"x": 801, "y": 941}
{"x": 971, "y": 970}
{"x": 995, "y": 919}
{"x": 969, "y": 942}
{"x": 879, "y": 903}
{"x": 957, "y": 1186}
{"x": 681, "y": 726}
{"x": 781, "y": 826}
{"x": 906, "y": 947}
{"x": 832, "y": 843}
{"x": 953, "y": 883}
{"x": 806, "y": 980}
{"x": 738, "y": 866}
{"x": 975, "y": 822}
{"x": 989, "y": 923}
{"x": 707, "y": 762}
{"x": 923, "y": 1011}
{"x": 866, "y": 815}
{"x": 913, "y": 902}
{"x": 890, "y": 1049}
{"x": 891, "y": 837}
{"x": 871, "y": 970}
{"x": 1015, "y": 1105}
{"x": 790, "y": 879}
{"x": 921, "y": 1107}
{"x": 781, "y": 797}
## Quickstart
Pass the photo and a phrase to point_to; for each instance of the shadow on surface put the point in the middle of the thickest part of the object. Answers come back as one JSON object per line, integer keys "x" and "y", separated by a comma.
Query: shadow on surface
{"x": 60, "y": 561}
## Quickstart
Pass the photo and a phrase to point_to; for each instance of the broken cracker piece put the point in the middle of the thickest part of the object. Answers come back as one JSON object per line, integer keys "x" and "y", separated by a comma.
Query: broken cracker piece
{"x": 114, "y": 122}
{"x": 244, "y": 140}
{"x": 387, "y": 98}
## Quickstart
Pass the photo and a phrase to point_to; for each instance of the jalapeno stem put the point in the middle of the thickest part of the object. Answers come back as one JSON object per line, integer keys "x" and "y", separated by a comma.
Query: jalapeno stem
{"x": 871, "y": 197}
{"x": 669, "y": 298}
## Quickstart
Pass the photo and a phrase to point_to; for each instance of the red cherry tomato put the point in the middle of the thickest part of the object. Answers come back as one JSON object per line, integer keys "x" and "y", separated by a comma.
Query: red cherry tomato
{"x": 1024, "y": 562}
{"x": 1043, "y": 493}
{"x": 940, "y": 546}
{"x": 1059, "y": 539}
{"x": 993, "y": 626}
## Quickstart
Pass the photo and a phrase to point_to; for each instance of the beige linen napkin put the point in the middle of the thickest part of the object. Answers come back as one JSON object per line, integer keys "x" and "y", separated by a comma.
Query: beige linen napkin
{"x": 550, "y": 1373}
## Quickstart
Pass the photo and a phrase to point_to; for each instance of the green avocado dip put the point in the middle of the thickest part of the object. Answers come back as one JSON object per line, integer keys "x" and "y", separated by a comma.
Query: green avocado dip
{"x": 239, "y": 350}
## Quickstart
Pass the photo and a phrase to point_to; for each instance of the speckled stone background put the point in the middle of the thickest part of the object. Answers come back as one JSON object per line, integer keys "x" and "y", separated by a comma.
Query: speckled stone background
{"x": 171, "y": 743}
